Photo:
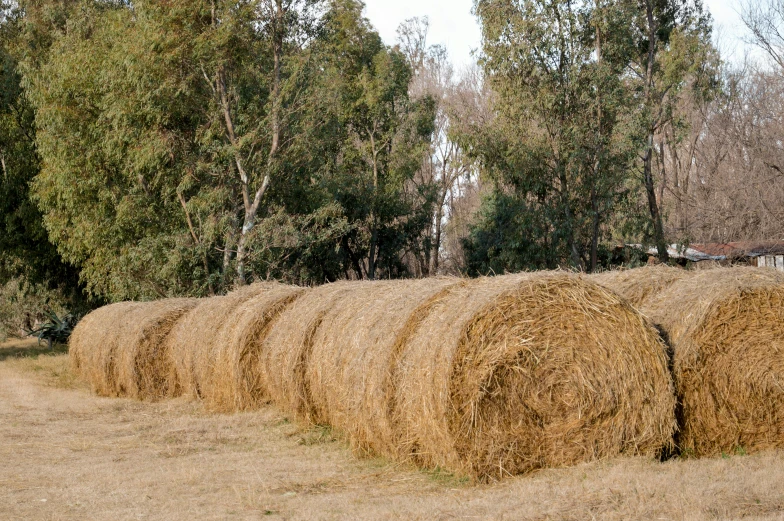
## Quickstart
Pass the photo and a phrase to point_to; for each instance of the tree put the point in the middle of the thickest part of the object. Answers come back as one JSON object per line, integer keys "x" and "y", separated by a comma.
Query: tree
{"x": 25, "y": 251}
{"x": 445, "y": 163}
{"x": 559, "y": 148}
{"x": 673, "y": 40}
{"x": 383, "y": 135}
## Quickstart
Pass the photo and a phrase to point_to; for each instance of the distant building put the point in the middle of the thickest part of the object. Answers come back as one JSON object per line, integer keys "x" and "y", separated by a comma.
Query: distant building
{"x": 767, "y": 254}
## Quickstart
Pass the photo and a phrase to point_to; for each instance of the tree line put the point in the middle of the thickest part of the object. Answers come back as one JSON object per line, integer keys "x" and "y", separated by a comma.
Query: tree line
{"x": 183, "y": 147}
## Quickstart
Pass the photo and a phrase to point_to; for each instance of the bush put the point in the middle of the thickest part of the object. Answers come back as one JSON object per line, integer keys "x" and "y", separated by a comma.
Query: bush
{"x": 24, "y": 307}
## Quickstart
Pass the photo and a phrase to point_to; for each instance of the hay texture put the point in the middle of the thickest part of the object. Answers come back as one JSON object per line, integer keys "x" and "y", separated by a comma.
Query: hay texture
{"x": 120, "y": 349}
{"x": 488, "y": 378}
{"x": 214, "y": 348}
{"x": 285, "y": 351}
{"x": 726, "y": 328}
{"x": 640, "y": 284}
{"x": 354, "y": 353}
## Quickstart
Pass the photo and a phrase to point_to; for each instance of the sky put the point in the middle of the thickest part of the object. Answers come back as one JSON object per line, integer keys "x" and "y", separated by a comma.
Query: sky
{"x": 453, "y": 25}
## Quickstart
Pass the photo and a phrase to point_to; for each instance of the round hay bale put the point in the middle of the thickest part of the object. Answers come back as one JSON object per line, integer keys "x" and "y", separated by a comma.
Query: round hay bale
{"x": 510, "y": 374}
{"x": 640, "y": 284}
{"x": 726, "y": 328}
{"x": 86, "y": 347}
{"x": 197, "y": 339}
{"x": 354, "y": 351}
{"x": 230, "y": 376}
{"x": 119, "y": 349}
{"x": 285, "y": 352}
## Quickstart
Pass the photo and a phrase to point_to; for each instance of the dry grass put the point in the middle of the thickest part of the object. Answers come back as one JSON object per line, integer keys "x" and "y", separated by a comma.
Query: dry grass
{"x": 726, "y": 327}
{"x": 68, "y": 455}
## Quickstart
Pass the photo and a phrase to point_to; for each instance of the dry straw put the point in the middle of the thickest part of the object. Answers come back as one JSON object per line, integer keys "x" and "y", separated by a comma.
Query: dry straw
{"x": 285, "y": 351}
{"x": 486, "y": 378}
{"x": 726, "y": 327}
{"x": 638, "y": 285}
{"x": 215, "y": 347}
{"x": 354, "y": 352}
{"x": 120, "y": 349}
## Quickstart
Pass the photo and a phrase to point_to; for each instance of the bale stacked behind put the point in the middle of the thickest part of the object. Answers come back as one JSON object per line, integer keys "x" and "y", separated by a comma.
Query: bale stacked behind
{"x": 230, "y": 378}
{"x": 91, "y": 334}
{"x": 354, "y": 352}
{"x": 191, "y": 343}
{"x": 639, "y": 285}
{"x": 510, "y": 374}
{"x": 726, "y": 327}
{"x": 119, "y": 349}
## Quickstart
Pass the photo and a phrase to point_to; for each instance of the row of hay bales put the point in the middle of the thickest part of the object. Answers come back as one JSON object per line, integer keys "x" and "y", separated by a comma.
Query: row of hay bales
{"x": 487, "y": 377}
{"x": 726, "y": 331}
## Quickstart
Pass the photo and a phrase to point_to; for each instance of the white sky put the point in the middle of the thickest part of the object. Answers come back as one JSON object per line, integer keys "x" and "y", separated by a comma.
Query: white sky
{"x": 453, "y": 25}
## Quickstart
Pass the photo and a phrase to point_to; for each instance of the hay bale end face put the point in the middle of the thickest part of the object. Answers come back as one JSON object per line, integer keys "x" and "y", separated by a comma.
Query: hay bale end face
{"x": 640, "y": 284}
{"x": 510, "y": 374}
{"x": 120, "y": 349}
{"x": 726, "y": 327}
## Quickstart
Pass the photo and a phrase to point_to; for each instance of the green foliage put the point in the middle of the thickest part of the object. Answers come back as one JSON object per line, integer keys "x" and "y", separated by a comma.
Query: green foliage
{"x": 570, "y": 124}
{"x": 142, "y": 186}
{"x": 23, "y": 305}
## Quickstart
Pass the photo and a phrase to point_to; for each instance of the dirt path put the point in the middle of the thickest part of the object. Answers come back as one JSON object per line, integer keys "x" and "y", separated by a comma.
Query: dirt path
{"x": 66, "y": 454}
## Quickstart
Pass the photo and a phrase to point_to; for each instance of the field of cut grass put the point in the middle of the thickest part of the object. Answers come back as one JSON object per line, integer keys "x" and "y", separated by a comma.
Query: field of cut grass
{"x": 68, "y": 455}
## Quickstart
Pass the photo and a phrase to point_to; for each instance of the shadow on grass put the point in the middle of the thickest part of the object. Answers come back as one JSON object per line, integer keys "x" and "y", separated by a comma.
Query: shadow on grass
{"x": 29, "y": 349}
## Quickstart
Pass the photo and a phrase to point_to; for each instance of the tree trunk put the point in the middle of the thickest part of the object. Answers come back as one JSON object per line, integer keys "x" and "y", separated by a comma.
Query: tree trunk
{"x": 650, "y": 185}
{"x": 653, "y": 206}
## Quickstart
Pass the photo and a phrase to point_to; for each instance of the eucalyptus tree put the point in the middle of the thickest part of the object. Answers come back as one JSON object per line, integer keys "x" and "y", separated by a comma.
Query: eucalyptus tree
{"x": 675, "y": 58}
{"x": 560, "y": 146}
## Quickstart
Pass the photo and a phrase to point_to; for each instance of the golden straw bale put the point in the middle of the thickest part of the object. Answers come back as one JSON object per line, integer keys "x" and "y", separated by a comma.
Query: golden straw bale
{"x": 510, "y": 374}
{"x": 88, "y": 337}
{"x": 640, "y": 284}
{"x": 119, "y": 349}
{"x": 285, "y": 352}
{"x": 726, "y": 328}
{"x": 354, "y": 352}
{"x": 191, "y": 341}
{"x": 227, "y": 366}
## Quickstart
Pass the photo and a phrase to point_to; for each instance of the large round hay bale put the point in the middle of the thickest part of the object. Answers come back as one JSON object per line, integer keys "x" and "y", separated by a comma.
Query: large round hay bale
{"x": 726, "y": 327}
{"x": 285, "y": 352}
{"x": 228, "y": 365}
{"x": 354, "y": 351}
{"x": 509, "y": 374}
{"x": 91, "y": 334}
{"x": 640, "y": 284}
{"x": 120, "y": 349}
{"x": 206, "y": 345}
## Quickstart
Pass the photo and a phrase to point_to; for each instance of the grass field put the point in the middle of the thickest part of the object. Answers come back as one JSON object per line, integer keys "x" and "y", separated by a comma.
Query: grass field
{"x": 68, "y": 455}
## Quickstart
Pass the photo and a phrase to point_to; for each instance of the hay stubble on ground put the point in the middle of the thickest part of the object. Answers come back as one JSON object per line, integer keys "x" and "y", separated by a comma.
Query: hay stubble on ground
{"x": 69, "y": 455}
